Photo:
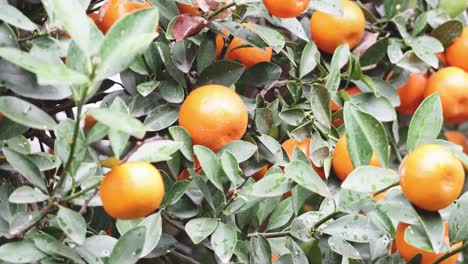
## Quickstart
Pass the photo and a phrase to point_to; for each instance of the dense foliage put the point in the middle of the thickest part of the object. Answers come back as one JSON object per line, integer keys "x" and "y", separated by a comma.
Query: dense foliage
{"x": 292, "y": 152}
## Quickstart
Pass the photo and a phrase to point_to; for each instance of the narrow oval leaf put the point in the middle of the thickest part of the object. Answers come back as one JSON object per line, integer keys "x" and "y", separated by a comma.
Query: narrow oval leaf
{"x": 343, "y": 248}
{"x": 26, "y": 194}
{"x": 242, "y": 150}
{"x": 129, "y": 247}
{"x": 21, "y": 252}
{"x": 153, "y": 225}
{"x": 25, "y": 167}
{"x": 179, "y": 134}
{"x": 156, "y": 151}
{"x": 222, "y": 72}
{"x": 303, "y": 174}
{"x": 223, "y": 241}
{"x": 281, "y": 214}
{"x": 369, "y": 179}
{"x": 308, "y": 62}
{"x": 272, "y": 185}
{"x": 458, "y": 226}
{"x": 200, "y": 228}
{"x": 25, "y": 113}
{"x": 72, "y": 224}
{"x": 355, "y": 228}
{"x": 210, "y": 165}
{"x": 119, "y": 121}
{"x": 161, "y": 117}
{"x": 14, "y": 17}
{"x": 426, "y": 123}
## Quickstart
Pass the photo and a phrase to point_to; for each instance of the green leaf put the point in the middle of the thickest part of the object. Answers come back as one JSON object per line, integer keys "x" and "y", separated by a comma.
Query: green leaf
{"x": 343, "y": 248}
{"x": 72, "y": 224}
{"x": 382, "y": 222}
{"x": 364, "y": 133}
{"x": 269, "y": 186}
{"x": 243, "y": 33}
{"x": 242, "y": 150}
{"x": 25, "y": 113}
{"x": 200, "y": 228}
{"x": 264, "y": 120}
{"x": 147, "y": 87}
{"x": 161, "y": 117}
{"x": 25, "y": 167}
{"x": 375, "y": 53}
{"x": 165, "y": 56}
{"x": 453, "y": 7}
{"x": 281, "y": 214}
{"x": 183, "y": 54}
{"x": 320, "y": 104}
{"x": 355, "y": 228}
{"x": 380, "y": 107}
{"x": 14, "y": 17}
{"x": 263, "y": 73}
{"x": 425, "y": 48}
{"x": 129, "y": 37}
{"x": 176, "y": 192}
{"x": 458, "y": 226}
{"x": 355, "y": 202}
{"x": 426, "y": 123}
{"x": 172, "y": 92}
{"x": 72, "y": 15}
{"x": 123, "y": 226}
{"x": 167, "y": 8}
{"x": 260, "y": 252}
{"x": 339, "y": 60}
{"x": 26, "y": 194}
{"x": 119, "y": 121}
{"x": 222, "y": 72}
{"x": 210, "y": 165}
{"x": 332, "y": 7}
{"x": 21, "y": 252}
{"x": 51, "y": 246}
{"x": 308, "y": 61}
{"x": 156, "y": 151}
{"x": 271, "y": 37}
{"x": 292, "y": 116}
{"x": 433, "y": 225}
{"x": 153, "y": 225}
{"x": 62, "y": 144}
{"x": 101, "y": 246}
{"x": 416, "y": 236}
{"x": 369, "y": 179}
{"x": 397, "y": 207}
{"x": 409, "y": 61}
{"x": 179, "y": 134}
{"x": 303, "y": 174}
{"x": 231, "y": 168}
{"x": 224, "y": 241}
{"x": 129, "y": 247}
{"x": 206, "y": 52}
{"x": 53, "y": 74}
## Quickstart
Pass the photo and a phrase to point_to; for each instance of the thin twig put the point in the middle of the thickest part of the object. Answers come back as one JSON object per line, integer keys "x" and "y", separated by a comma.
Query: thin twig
{"x": 184, "y": 258}
{"x": 78, "y": 194}
{"x": 269, "y": 235}
{"x": 324, "y": 220}
{"x": 42, "y": 213}
{"x": 173, "y": 222}
{"x": 86, "y": 203}
{"x": 451, "y": 253}
{"x": 220, "y": 10}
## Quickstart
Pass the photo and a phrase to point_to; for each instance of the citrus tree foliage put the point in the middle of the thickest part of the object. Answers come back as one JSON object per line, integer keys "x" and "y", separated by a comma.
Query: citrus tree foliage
{"x": 55, "y": 64}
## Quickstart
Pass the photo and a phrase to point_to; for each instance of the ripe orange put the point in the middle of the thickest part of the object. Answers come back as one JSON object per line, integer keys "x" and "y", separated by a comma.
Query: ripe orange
{"x": 132, "y": 190}
{"x": 220, "y": 41}
{"x": 249, "y": 56}
{"x": 304, "y": 145}
{"x": 89, "y": 122}
{"x": 458, "y": 138}
{"x": 457, "y": 54}
{"x": 286, "y": 8}
{"x": 329, "y": 31}
{"x": 214, "y": 115}
{"x": 113, "y": 10}
{"x": 412, "y": 93}
{"x": 188, "y": 9}
{"x": 341, "y": 162}
{"x": 438, "y": 170}
{"x": 452, "y": 85}
{"x": 408, "y": 251}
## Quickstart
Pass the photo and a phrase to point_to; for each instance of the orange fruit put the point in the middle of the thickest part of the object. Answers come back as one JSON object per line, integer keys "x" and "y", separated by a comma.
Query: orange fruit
{"x": 408, "y": 251}
{"x": 89, "y": 122}
{"x": 452, "y": 85}
{"x": 188, "y": 9}
{"x": 220, "y": 41}
{"x": 304, "y": 145}
{"x": 442, "y": 57}
{"x": 341, "y": 162}
{"x": 329, "y": 31}
{"x": 350, "y": 91}
{"x": 214, "y": 115}
{"x": 132, "y": 190}
{"x": 249, "y": 56}
{"x": 438, "y": 170}
{"x": 261, "y": 173}
{"x": 412, "y": 93}
{"x": 112, "y": 10}
{"x": 286, "y": 8}
{"x": 274, "y": 258}
{"x": 458, "y": 138}
{"x": 457, "y": 54}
